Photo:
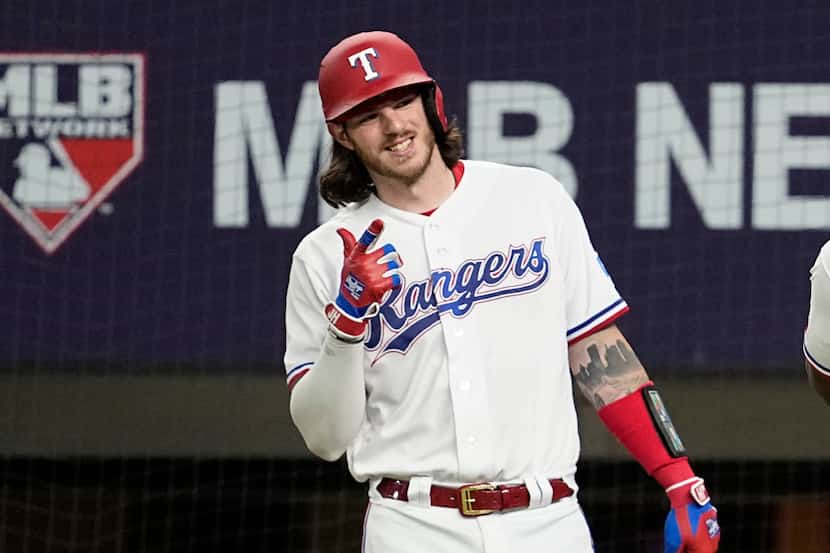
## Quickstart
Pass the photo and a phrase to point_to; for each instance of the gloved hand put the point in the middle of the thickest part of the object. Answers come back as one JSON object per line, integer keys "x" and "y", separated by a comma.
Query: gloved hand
{"x": 367, "y": 277}
{"x": 692, "y": 523}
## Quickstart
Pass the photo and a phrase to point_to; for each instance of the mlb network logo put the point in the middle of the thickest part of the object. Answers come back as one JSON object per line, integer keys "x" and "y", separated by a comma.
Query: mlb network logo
{"x": 71, "y": 130}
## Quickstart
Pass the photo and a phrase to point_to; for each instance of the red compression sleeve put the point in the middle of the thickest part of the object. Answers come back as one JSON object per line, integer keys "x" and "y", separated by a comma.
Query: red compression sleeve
{"x": 629, "y": 420}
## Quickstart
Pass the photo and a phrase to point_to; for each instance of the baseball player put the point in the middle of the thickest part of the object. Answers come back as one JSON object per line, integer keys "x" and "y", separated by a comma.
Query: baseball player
{"x": 817, "y": 335}
{"x": 432, "y": 322}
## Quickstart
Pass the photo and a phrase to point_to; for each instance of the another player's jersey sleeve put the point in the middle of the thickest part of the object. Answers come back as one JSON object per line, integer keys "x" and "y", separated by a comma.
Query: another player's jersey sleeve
{"x": 816, "y": 339}
{"x": 591, "y": 299}
{"x": 305, "y": 321}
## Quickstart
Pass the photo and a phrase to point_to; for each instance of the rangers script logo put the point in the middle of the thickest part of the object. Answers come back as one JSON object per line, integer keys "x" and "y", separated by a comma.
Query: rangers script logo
{"x": 412, "y": 310}
{"x": 71, "y": 130}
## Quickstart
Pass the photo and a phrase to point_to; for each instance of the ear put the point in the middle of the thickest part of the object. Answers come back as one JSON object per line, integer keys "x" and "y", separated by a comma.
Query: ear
{"x": 338, "y": 132}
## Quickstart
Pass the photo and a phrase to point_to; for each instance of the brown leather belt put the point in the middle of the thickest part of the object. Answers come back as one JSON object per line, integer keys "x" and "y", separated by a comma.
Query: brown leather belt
{"x": 474, "y": 499}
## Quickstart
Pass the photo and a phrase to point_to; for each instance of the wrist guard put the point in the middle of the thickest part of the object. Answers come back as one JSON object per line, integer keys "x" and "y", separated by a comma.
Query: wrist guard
{"x": 651, "y": 439}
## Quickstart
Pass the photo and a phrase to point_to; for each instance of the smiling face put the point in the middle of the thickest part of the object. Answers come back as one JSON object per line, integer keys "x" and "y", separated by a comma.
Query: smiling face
{"x": 391, "y": 135}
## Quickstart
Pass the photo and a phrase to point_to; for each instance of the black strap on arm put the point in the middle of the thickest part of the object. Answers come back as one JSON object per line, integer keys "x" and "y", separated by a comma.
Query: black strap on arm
{"x": 662, "y": 421}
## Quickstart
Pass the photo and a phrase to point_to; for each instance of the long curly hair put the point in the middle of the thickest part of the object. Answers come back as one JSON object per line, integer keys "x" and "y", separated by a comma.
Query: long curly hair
{"x": 346, "y": 179}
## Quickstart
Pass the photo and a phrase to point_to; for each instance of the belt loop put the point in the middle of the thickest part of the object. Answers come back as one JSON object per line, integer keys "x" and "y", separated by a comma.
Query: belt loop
{"x": 373, "y": 488}
{"x": 547, "y": 490}
{"x": 534, "y": 492}
{"x": 571, "y": 482}
{"x": 419, "y": 487}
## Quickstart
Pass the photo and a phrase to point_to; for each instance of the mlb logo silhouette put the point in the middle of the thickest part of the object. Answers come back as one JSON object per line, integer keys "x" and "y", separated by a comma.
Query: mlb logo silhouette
{"x": 71, "y": 131}
{"x": 42, "y": 186}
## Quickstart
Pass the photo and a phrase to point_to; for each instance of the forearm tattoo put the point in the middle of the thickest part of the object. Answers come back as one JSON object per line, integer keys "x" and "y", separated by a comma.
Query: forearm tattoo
{"x": 606, "y": 368}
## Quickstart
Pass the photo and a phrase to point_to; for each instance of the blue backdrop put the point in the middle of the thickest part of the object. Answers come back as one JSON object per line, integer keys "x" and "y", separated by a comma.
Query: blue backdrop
{"x": 148, "y": 281}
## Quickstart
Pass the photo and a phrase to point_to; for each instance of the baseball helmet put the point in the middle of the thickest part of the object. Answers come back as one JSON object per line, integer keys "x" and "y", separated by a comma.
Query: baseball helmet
{"x": 366, "y": 65}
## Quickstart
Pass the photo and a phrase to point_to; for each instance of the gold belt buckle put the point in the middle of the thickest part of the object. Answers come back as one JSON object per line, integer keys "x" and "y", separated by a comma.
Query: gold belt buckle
{"x": 467, "y": 507}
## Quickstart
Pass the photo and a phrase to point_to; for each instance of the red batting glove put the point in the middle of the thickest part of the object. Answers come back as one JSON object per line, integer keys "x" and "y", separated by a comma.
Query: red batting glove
{"x": 692, "y": 524}
{"x": 366, "y": 278}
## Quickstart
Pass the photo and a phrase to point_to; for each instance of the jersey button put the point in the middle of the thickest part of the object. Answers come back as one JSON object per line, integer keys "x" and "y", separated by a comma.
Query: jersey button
{"x": 441, "y": 251}
{"x": 459, "y": 332}
{"x": 471, "y": 440}
{"x": 464, "y": 385}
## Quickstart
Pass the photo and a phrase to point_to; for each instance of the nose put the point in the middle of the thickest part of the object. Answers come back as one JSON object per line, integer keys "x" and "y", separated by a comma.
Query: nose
{"x": 391, "y": 120}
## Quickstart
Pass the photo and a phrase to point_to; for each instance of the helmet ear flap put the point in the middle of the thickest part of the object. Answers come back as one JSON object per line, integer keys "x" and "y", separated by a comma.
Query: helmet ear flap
{"x": 439, "y": 107}
{"x": 434, "y": 103}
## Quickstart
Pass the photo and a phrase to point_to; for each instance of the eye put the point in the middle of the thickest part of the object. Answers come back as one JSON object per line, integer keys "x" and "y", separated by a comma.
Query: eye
{"x": 405, "y": 101}
{"x": 368, "y": 117}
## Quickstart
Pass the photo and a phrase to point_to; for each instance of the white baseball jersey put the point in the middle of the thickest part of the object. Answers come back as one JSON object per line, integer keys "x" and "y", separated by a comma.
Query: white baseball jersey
{"x": 817, "y": 334}
{"x": 466, "y": 366}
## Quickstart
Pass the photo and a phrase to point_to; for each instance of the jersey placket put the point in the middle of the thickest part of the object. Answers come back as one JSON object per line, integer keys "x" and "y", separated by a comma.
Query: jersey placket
{"x": 468, "y": 389}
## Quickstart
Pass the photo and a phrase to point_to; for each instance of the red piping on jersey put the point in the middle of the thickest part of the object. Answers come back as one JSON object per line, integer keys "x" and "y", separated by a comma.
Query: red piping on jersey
{"x": 604, "y": 324}
{"x": 365, "y": 527}
{"x": 296, "y": 378}
{"x": 457, "y": 173}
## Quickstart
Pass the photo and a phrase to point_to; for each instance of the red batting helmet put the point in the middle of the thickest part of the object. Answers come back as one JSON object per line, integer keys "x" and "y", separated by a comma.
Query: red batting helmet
{"x": 365, "y": 65}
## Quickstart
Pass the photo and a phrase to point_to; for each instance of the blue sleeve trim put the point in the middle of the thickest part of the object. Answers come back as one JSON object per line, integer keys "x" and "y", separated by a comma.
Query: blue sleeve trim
{"x": 298, "y": 368}
{"x": 589, "y": 322}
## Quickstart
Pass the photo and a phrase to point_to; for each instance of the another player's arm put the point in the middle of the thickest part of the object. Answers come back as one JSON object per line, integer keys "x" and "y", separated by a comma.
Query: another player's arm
{"x": 819, "y": 381}
{"x": 817, "y": 335}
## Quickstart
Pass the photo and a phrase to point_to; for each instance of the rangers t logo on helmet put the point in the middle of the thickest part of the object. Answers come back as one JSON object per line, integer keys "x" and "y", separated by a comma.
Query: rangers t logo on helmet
{"x": 365, "y": 63}
{"x": 385, "y": 61}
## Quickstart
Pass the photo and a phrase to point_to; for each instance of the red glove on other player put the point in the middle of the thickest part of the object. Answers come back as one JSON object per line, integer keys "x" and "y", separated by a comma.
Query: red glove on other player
{"x": 366, "y": 278}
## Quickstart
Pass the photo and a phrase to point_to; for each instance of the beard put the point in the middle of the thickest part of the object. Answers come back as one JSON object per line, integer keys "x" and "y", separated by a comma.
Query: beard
{"x": 410, "y": 172}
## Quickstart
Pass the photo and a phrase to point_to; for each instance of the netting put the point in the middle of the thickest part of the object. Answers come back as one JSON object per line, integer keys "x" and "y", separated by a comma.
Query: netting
{"x": 264, "y": 505}
{"x": 158, "y": 164}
